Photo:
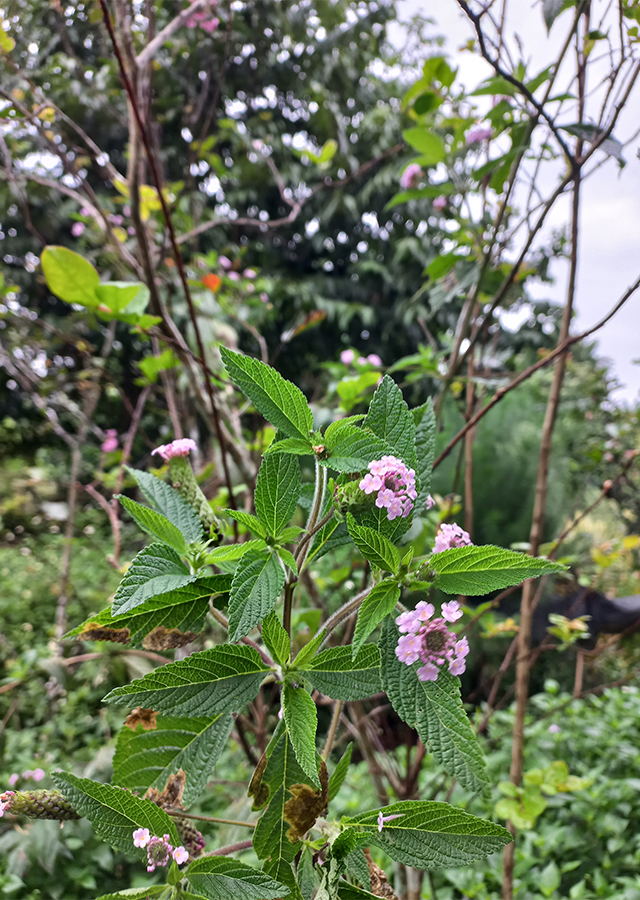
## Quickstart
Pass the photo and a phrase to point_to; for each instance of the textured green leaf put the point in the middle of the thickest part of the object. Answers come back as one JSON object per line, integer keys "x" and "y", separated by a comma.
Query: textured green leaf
{"x": 277, "y": 491}
{"x": 287, "y": 558}
{"x": 250, "y": 522}
{"x": 357, "y": 865}
{"x": 472, "y": 571}
{"x": 145, "y": 759}
{"x": 167, "y": 500}
{"x": 218, "y": 878}
{"x": 306, "y": 875}
{"x": 339, "y": 774}
{"x": 376, "y": 518}
{"x": 348, "y": 891}
{"x": 255, "y": 590}
{"x": 155, "y": 570}
{"x": 425, "y": 452}
{"x": 309, "y": 650}
{"x": 428, "y": 834}
{"x": 301, "y": 719}
{"x": 208, "y": 683}
{"x": 279, "y": 401}
{"x": 69, "y": 276}
{"x": 154, "y": 523}
{"x": 435, "y": 710}
{"x": 113, "y": 812}
{"x": 374, "y": 546}
{"x": 376, "y": 606}
{"x": 352, "y": 449}
{"x": 390, "y": 419}
{"x": 429, "y": 144}
{"x": 276, "y": 639}
{"x": 337, "y": 675}
{"x": 333, "y": 534}
{"x": 297, "y": 446}
{"x": 182, "y": 610}
{"x": 136, "y": 893}
{"x": 232, "y": 552}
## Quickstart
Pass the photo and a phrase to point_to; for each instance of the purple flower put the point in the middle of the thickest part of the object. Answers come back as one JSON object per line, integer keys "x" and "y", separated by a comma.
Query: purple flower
{"x": 411, "y": 176}
{"x": 554, "y": 729}
{"x": 225, "y": 262}
{"x": 430, "y": 502}
{"x": 430, "y": 642}
{"x": 38, "y": 774}
{"x": 141, "y": 837}
{"x": 250, "y": 273}
{"x": 158, "y": 852}
{"x": 179, "y": 447}
{"x": 111, "y": 441}
{"x": 477, "y": 134}
{"x": 382, "y": 819}
{"x": 374, "y": 359}
{"x": 440, "y": 202}
{"x": 450, "y": 536}
{"x": 13, "y": 779}
{"x": 77, "y": 228}
{"x": 181, "y": 855}
{"x": 264, "y": 297}
{"x": 347, "y": 357}
{"x": 394, "y": 483}
{"x": 210, "y": 25}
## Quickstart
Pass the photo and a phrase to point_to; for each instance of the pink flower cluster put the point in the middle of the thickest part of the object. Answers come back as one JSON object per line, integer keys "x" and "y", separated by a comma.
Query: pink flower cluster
{"x": 430, "y": 641}
{"x": 411, "y": 176}
{"x": 450, "y": 536}
{"x": 5, "y": 802}
{"x": 34, "y": 774}
{"x": 204, "y": 19}
{"x": 159, "y": 850}
{"x": 349, "y": 356}
{"x": 110, "y": 442}
{"x": 477, "y": 134}
{"x": 394, "y": 483}
{"x": 180, "y": 447}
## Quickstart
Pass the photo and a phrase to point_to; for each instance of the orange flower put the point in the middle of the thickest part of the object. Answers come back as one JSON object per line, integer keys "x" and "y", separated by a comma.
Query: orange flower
{"x": 212, "y": 282}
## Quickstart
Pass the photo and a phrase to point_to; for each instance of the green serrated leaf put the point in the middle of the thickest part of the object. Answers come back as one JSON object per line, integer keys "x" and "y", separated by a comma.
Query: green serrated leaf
{"x": 136, "y": 893}
{"x": 255, "y": 589}
{"x": 287, "y": 558}
{"x": 182, "y": 610}
{"x": 232, "y": 552}
{"x": 217, "y": 878}
{"x": 374, "y": 546}
{"x": 114, "y": 813}
{"x": 378, "y": 520}
{"x": 145, "y": 759}
{"x": 154, "y": 523}
{"x": 276, "y": 639}
{"x": 156, "y": 570}
{"x": 301, "y": 719}
{"x": 390, "y": 419}
{"x": 425, "y": 442}
{"x": 170, "y": 504}
{"x": 427, "y": 834}
{"x": 280, "y": 402}
{"x": 339, "y": 774}
{"x": 352, "y": 449}
{"x": 309, "y": 650}
{"x": 472, "y": 571}
{"x": 297, "y": 446}
{"x": 337, "y": 675}
{"x": 250, "y": 522}
{"x": 333, "y": 534}
{"x": 376, "y": 606}
{"x": 208, "y": 683}
{"x": 277, "y": 491}
{"x": 435, "y": 710}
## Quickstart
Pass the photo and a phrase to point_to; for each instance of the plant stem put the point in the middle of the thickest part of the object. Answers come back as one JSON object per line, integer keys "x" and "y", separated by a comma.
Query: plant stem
{"x": 179, "y": 814}
{"x": 231, "y": 848}
{"x": 337, "y": 711}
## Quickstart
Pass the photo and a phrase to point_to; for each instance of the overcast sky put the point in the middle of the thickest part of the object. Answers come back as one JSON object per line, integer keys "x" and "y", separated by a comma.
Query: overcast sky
{"x": 610, "y": 222}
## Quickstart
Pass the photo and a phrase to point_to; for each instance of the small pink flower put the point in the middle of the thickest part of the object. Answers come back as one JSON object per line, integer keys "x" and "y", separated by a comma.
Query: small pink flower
{"x": 451, "y": 611}
{"x": 250, "y": 273}
{"x": 428, "y": 672}
{"x": 430, "y": 502}
{"x": 362, "y": 361}
{"x": 424, "y": 611}
{"x": 374, "y": 359}
{"x": 347, "y": 357}
{"x": 179, "y": 447}
{"x": 408, "y": 649}
{"x": 38, "y": 774}
{"x": 85, "y": 211}
{"x": 225, "y": 262}
{"x": 456, "y": 666}
{"x": 28, "y": 773}
{"x": 440, "y": 202}
{"x": 461, "y": 647}
{"x": 111, "y": 441}
{"x": 382, "y": 819}
{"x": 181, "y": 855}
{"x": 411, "y": 176}
{"x": 233, "y": 276}
{"x": 264, "y": 297}
{"x": 554, "y": 729}
{"x": 77, "y": 228}
{"x": 210, "y": 25}
{"x": 450, "y": 536}
{"x": 477, "y": 134}
{"x": 141, "y": 837}
{"x": 115, "y": 220}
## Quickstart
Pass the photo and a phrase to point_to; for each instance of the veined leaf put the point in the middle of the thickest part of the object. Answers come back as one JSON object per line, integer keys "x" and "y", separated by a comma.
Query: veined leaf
{"x": 70, "y": 276}
{"x": 250, "y": 522}
{"x": 333, "y": 534}
{"x": 335, "y": 674}
{"x": 301, "y": 719}
{"x": 114, "y": 813}
{"x": 282, "y": 871}
{"x": 277, "y": 491}
{"x": 136, "y": 893}
{"x": 280, "y": 402}
{"x": 390, "y": 419}
{"x": 297, "y": 446}
{"x": 154, "y": 523}
{"x": 427, "y": 834}
{"x": 167, "y": 501}
{"x": 208, "y": 683}
{"x": 425, "y": 441}
{"x": 429, "y": 144}
{"x": 276, "y": 638}
{"x": 435, "y": 710}
{"x": 378, "y": 520}
{"x": 155, "y": 570}
{"x": 255, "y": 589}
{"x": 374, "y": 546}
{"x": 377, "y": 605}
{"x": 218, "y": 878}
{"x": 145, "y": 759}
{"x": 232, "y": 552}
{"x": 352, "y": 449}
{"x": 472, "y": 571}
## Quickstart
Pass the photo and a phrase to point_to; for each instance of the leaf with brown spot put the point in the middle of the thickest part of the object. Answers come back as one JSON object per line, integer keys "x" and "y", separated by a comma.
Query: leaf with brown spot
{"x": 144, "y": 717}
{"x": 94, "y": 631}
{"x": 257, "y": 787}
{"x": 162, "y": 638}
{"x": 306, "y": 805}
{"x": 171, "y": 796}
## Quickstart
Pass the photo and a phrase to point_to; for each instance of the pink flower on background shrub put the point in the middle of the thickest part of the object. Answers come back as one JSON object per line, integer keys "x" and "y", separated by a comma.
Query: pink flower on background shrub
{"x": 477, "y": 134}
{"x": 429, "y": 640}
{"x": 347, "y": 357}
{"x": 374, "y": 359}
{"x": 411, "y": 176}
{"x": 440, "y": 202}
{"x": 225, "y": 262}
{"x": 394, "y": 483}
{"x": 77, "y": 228}
{"x": 110, "y": 443}
{"x": 38, "y": 774}
{"x": 179, "y": 447}
{"x": 430, "y": 502}
{"x": 451, "y": 536}
{"x": 13, "y": 779}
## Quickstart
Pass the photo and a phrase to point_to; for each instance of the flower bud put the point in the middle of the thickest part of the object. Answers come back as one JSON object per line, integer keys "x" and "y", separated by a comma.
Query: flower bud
{"x": 37, "y": 805}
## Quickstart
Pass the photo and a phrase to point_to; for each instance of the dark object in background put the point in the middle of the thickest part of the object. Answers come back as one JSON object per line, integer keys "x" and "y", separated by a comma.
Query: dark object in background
{"x": 607, "y": 616}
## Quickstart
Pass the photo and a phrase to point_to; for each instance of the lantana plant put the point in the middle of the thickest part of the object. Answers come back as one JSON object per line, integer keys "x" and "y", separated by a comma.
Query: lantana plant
{"x": 370, "y": 481}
